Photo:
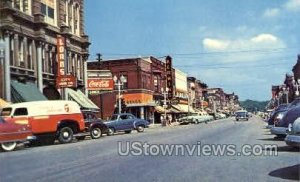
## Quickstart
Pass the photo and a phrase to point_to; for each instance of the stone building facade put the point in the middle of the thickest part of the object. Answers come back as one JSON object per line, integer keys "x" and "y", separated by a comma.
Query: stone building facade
{"x": 28, "y": 33}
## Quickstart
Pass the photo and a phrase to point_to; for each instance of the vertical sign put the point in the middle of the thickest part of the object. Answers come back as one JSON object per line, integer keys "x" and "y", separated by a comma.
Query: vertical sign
{"x": 169, "y": 76}
{"x": 60, "y": 55}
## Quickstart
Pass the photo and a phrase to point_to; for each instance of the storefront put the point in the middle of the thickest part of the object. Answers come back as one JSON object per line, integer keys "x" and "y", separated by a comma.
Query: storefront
{"x": 140, "y": 104}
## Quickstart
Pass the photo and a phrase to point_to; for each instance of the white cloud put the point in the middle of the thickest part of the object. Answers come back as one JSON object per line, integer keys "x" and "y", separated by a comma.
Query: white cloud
{"x": 292, "y": 5}
{"x": 273, "y": 12}
{"x": 215, "y": 44}
{"x": 261, "y": 41}
{"x": 264, "y": 38}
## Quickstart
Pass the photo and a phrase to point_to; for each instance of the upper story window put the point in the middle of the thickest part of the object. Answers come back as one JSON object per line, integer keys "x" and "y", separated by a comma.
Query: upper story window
{"x": 48, "y": 9}
{"x": 22, "y": 5}
{"x": 72, "y": 16}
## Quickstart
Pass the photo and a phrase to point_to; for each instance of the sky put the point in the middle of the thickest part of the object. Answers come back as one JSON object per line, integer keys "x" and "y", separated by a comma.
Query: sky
{"x": 242, "y": 46}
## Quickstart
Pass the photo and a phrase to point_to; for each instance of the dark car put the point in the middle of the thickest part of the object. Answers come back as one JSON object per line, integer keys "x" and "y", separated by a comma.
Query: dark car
{"x": 125, "y": 122}
{"x": 94, "y": 127}
{"x": 289, "y": 117}
{"x": 241, "y": 115}
{"x": 277, "y": 112}
{"x": 12, "y": 133}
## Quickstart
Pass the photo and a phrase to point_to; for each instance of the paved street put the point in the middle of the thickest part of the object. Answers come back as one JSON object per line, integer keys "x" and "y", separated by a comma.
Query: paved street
{"x": 98, "y": 160}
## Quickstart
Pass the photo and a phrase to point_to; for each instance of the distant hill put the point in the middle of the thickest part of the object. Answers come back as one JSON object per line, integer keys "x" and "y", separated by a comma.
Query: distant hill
{"x": 252, "y": 105}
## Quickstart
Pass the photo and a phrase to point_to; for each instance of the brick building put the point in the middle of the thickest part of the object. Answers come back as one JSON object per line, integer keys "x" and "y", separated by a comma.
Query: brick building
{"x": 28, "y": 33}
{"x": 141, "y": 91}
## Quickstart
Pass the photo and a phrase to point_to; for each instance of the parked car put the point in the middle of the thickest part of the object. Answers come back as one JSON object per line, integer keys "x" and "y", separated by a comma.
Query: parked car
{"x": 11, "y": 134}
{"x": 241, "y": 115}
{"x": 195, "y": 118}
{"x": 94, "y": 127}
{"x": 49, "y": 120}
{"x": 277, "y": 114}
{"x": 125, "y": 122}
{"x": 289, "y": 117}
{"x": 293, "y": 137}
{"x": 220, "y": 116}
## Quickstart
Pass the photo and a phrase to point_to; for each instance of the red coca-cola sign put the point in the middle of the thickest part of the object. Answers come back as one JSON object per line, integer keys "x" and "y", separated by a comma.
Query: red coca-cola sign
{"x": 100, "y": 84}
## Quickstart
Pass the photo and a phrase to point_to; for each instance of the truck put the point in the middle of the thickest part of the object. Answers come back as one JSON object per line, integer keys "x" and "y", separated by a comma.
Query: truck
{"x": 49, "y": 120}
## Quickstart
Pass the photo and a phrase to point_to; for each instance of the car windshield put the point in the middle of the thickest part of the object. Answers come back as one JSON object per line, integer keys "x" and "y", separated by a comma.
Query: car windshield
{"x": 241, "y": 113}
{"x": 6, "y": 111}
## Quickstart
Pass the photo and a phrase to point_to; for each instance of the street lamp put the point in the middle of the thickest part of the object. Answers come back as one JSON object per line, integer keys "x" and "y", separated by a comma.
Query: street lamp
{"x": 119, "y": 83}
{"x": 165, "y": 93}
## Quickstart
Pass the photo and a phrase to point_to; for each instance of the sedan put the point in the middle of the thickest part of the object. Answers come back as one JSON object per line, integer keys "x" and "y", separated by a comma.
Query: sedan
{"x": 12, "y": 133}
{"x": 125, "y": 122}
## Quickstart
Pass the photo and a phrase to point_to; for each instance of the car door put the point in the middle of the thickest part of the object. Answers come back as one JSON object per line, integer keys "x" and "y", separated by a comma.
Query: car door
{"x": 9, "y": 131}
{"x": 130, "y": 121}
{"x": 122, "y": 122}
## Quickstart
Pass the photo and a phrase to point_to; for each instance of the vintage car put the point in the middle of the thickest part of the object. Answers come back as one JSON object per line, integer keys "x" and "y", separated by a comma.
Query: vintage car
{"x": 241, "y": 115}
{"x": 277, "y": 114}
{"x": 281, "y": 126}
{"x": 48, "y": 120}
{"x": 12, "y": 133}
{"x": 293, "y": 137}
{"x": 125, "y": 122}
{"x": 94, "y": 127}
{"x": 220, "y": 115}
{"x": 196, "y": 118}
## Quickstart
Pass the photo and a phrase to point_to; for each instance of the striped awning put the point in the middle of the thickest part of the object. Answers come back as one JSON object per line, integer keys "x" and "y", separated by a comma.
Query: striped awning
{"x": 3, "y": 103}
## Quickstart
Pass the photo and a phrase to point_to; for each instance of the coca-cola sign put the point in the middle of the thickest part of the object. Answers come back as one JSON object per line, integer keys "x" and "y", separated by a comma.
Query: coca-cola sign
{"x": 100, "y": 84}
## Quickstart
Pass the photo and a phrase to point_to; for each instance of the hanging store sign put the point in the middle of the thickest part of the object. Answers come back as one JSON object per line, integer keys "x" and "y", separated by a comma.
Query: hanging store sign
{"x": 60, "y": 55}
{"x": 169, "y": 76}
{"x": 66, "y": 81}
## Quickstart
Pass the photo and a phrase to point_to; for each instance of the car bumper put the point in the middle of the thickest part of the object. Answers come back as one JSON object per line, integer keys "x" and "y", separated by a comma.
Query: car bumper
{"x": 278, "y": 130}
{"x": 293, "y": 140}
{"x": 269, "y": 126}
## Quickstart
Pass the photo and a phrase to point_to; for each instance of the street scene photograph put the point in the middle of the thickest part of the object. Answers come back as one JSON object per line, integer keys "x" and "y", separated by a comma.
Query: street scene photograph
{"x": 149, "y": 90}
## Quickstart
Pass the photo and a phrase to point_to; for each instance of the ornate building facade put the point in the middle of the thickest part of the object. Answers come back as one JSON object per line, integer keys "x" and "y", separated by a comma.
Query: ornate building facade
{"x": 28, "y": 40}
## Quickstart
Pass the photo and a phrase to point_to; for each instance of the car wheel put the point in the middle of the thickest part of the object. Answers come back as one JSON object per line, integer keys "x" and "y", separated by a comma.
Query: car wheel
{"x": 65, "y": 135}
{"x": 9, "y": 146}
{"x": 96, "y": 133}
{"x": 111, "y": 131}
{"x": 140, "y": 128}
{"x": 80, "y": 138}
{"x": 128, "y": 131}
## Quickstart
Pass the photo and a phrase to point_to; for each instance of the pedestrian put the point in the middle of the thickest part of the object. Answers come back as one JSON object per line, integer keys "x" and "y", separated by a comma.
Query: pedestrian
{"x": 170, "y": 119}
{"x": 162, "y": 120}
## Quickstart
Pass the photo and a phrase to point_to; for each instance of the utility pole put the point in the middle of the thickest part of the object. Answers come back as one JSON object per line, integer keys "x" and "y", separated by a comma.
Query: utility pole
{"x": 100, "y": 94}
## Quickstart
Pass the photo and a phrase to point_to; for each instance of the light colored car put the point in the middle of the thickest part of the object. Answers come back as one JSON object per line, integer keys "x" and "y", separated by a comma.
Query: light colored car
{"x": 293, "y": 137}
{"x": 196, "y": 118}
{"x": 220, "y": 116}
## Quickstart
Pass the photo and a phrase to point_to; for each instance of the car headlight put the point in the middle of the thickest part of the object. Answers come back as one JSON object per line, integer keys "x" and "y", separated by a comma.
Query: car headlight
{"x": 290, "y": 127}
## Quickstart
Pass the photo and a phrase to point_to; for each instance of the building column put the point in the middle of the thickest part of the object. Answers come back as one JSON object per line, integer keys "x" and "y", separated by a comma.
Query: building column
{"x": 7, "y": 79}
{"x": 39, "y": 63}
{"x": 142, "y": 112}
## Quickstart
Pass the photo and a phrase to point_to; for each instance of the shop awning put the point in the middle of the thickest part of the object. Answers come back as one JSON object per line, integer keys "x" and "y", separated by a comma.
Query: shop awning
{"x": 25, "y": 92}
{"x": 159, "y": 109}
{"x": 81, "y": 99}
{"x": 141, "y": 105}
{"x": 184, "y": 108}
{"x": 3, "y": 103}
